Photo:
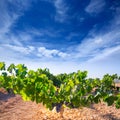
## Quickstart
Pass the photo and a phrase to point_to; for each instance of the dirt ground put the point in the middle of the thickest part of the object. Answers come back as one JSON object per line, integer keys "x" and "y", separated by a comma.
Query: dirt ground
{"x": 14, "y": 108}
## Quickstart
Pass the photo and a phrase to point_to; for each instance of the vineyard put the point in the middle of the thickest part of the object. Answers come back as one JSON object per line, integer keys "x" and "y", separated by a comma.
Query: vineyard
{"x": 73, "y": 90}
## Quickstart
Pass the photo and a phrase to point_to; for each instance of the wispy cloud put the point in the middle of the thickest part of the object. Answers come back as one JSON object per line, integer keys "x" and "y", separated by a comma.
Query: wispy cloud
{"x": 20, "y": 49}
{"x": 92, "y": 47}
{"x": 16, "y": 39}
{"x": 101, "y": 44}
{"x": 9, "y": 15}
{"x": 89, "y": 47}
{"x": 28, "y": 35}
{"x": 6, "y": 19}
{"x": 116, "y": 20}
{"x": 61, "y": 10}
{"x": 95, "y": 6}
{"x": 105, "y": 53}
{"x": 49, "y": 32}
{"x": 72, "y": 35}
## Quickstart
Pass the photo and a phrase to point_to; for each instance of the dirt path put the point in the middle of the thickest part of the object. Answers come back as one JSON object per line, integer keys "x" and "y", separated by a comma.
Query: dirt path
{"x": 14, "y": 108}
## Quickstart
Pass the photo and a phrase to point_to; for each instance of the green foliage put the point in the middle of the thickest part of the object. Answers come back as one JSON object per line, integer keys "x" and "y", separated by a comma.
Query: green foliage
{"x": 74, "y": 89}
{"x": 117, "y": 103}
{"x": 2, "y": 66}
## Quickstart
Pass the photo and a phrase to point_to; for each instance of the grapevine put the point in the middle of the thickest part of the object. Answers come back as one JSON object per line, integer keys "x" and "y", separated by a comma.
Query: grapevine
{"x": 72, "y": 90}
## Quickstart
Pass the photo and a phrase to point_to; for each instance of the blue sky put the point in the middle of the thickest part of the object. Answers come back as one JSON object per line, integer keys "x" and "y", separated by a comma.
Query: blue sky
{"x": 62, "y": 35}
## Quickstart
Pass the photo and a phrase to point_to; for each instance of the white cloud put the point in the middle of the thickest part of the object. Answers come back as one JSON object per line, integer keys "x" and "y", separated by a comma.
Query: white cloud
{"x": 46, "y": 53}
{"x": 31, "y": 51}
{"x": 61, "y": 10}
{"x": 95, "y": 6}
{"x": 63, "y": 55}
{"x": 43, "y": 52}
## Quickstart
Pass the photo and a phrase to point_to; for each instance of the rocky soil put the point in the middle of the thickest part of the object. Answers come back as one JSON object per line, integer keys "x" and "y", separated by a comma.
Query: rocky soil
{"x": 14, "y": 108}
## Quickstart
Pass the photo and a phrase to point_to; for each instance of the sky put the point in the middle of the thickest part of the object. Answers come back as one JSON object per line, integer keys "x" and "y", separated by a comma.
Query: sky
{"x": 62, "y": 35}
